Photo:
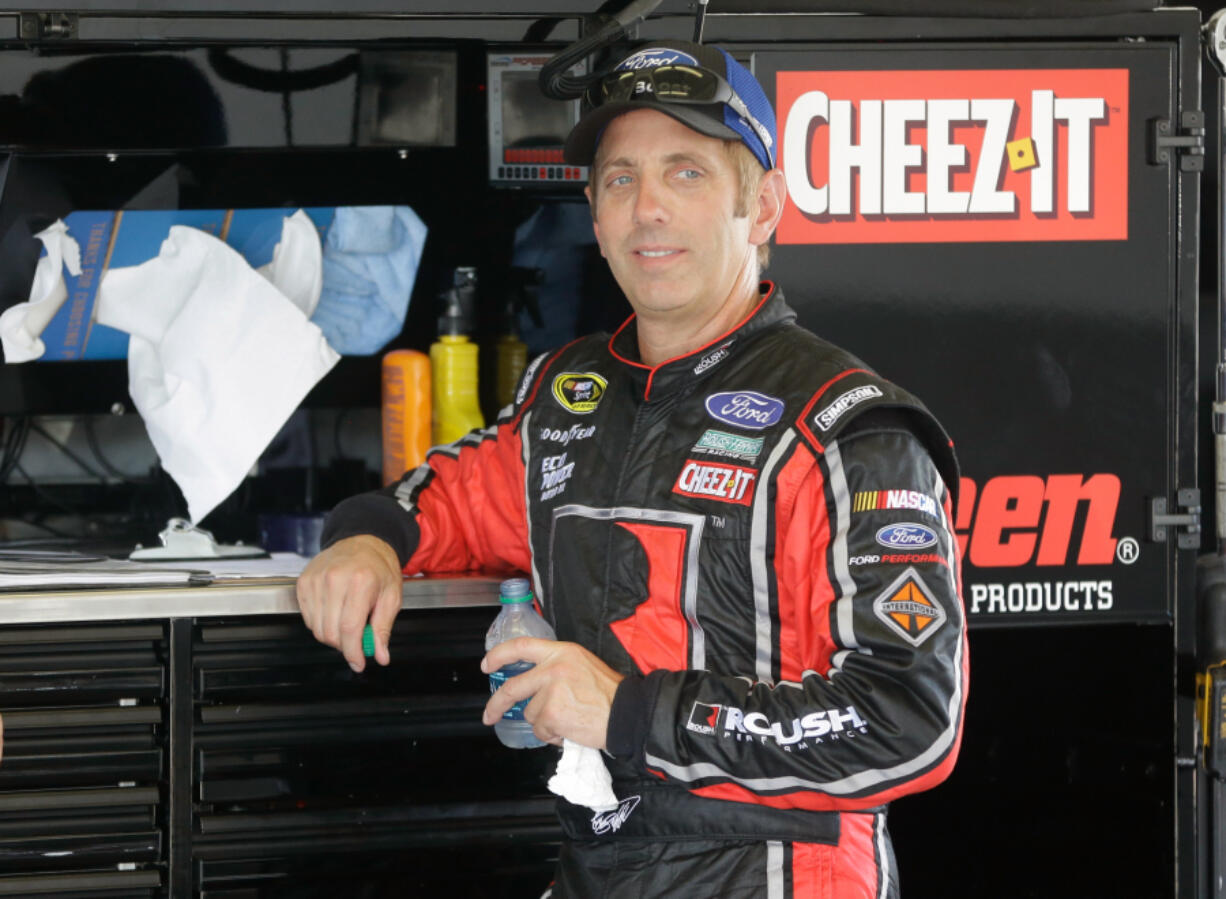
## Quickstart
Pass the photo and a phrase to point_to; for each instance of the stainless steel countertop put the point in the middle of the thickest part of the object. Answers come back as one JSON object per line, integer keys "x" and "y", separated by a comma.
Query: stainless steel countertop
{"x": 263, "y": 596}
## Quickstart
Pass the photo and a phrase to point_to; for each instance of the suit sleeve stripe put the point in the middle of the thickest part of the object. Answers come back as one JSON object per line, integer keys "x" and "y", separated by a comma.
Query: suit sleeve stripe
{"x": 526, "y": 454}
{"x": 759, "y": 540}
{"x": 846, "y": 633}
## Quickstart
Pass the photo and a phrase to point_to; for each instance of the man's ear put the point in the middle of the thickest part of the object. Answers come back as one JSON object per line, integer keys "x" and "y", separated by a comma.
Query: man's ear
{"x": 772, "y": 193}
{"x": 587, "y": 192}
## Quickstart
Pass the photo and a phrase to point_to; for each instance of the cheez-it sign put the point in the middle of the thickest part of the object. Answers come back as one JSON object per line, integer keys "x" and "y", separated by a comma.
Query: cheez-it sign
{"x": 954, "y": 155}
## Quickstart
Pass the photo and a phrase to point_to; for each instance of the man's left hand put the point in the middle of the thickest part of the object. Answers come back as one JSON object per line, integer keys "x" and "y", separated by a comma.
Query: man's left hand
{"x": 571, "y": 690}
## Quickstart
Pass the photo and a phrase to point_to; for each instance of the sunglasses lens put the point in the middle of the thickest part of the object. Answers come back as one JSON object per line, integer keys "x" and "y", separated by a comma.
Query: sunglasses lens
{"x": 689, "y": 85}
{"x": 676, "y": 84}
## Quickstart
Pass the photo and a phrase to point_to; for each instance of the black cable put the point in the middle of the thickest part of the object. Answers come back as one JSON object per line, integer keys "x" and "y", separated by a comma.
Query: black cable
{"x": 700, "y": 15}
{"x": 336, "y": 433}
{"x": 57, "y": 536}
{"x": 63, "y": 448}
{"x": 14, "y": 446}
{"x": 41, "y": 493}
{"x": 91, "y": 438}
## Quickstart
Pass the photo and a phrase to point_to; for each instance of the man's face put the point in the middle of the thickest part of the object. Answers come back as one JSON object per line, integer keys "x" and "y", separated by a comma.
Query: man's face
{"x": 664, "y": 217}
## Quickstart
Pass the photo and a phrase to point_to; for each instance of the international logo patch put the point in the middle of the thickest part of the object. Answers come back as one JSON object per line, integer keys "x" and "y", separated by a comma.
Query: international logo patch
{"x": 909, "y": 609}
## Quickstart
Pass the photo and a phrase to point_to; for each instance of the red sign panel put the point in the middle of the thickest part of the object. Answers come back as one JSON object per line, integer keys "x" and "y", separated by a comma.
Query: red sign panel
{"x": 954, "y": 155}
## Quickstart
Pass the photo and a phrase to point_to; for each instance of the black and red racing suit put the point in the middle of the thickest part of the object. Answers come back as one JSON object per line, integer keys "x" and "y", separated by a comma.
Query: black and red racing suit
{"x": 758, "y": 535}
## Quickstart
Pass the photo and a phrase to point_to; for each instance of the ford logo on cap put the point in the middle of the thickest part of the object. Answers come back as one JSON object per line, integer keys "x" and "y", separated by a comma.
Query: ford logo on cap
{"x": 745, "y": 409}
{"x": 659, "y": 56}
{"x": 907, "y": 536}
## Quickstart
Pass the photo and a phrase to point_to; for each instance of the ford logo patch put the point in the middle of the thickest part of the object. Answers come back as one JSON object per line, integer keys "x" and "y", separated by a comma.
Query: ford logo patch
{"x": 906, "y": 536}
{"x": 745, "y": 409}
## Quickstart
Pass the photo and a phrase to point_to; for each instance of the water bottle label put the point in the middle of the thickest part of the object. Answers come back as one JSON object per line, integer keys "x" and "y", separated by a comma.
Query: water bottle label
{"x": 499, "y": 677}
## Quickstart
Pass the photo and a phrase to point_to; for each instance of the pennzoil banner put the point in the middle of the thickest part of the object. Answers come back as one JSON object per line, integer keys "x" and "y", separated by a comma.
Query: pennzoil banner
{"x": 953, "y": 155}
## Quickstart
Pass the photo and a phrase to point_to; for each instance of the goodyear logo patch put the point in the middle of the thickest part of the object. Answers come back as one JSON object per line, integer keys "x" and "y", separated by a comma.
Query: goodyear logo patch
{"x": 579, "y": 391}
{"x": 909, "y": 609}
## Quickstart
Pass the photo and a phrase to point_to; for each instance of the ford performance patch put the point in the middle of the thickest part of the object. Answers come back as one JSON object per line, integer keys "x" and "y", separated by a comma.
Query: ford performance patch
{"x": 907, "y": 536}
{"x": 745, "y": 409}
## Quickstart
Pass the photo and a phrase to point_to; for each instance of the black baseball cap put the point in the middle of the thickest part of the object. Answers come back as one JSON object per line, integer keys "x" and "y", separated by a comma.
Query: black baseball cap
{"x": 742, "y": 113}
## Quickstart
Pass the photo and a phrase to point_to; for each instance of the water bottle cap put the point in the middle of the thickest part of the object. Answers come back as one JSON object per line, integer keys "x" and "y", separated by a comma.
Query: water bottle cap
{"x": 516, "y": 589}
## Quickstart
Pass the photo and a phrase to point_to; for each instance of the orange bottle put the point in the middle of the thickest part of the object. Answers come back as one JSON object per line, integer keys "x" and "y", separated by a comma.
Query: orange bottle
{"x": 406, "y": 412}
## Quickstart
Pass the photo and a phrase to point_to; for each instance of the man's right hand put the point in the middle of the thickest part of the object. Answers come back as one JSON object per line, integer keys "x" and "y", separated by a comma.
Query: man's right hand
{"x": 352, "y": 581}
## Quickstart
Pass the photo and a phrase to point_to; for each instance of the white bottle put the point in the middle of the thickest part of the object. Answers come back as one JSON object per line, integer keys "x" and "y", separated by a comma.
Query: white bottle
{"x": 517, "y": 618}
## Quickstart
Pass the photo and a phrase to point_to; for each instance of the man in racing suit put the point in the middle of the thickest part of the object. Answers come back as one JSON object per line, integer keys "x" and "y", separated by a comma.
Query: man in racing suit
{"x": 741, "y": 534}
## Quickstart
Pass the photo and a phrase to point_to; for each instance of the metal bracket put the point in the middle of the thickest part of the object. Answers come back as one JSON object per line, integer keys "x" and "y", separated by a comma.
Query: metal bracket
{"x": 1188, "y": 143}
{"x": 1189, "y": 522}
{"x": 48, "y": 26}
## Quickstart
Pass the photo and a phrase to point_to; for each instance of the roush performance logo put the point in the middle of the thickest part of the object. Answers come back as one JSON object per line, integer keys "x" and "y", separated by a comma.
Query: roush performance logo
{"x": 954, "y": 155}
{"x": 815, "y": 727}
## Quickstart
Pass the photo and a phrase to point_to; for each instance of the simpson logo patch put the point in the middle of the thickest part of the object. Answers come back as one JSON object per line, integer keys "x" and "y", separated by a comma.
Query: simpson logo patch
{"x": 871, "y": 500}
{"x": 526, "y": 380}
{"x": 826, "y": 418}
{"x": 908, "y": 608}
{"x": 953, "y": 155}
{"x": 725, "y": 483}
{"x": 703, "y": 718}
{"x": 579, "y": 392}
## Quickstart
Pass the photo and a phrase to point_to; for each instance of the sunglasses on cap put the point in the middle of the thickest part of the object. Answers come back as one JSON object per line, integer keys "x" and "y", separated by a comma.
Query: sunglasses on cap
{"x": 677, "y": 84}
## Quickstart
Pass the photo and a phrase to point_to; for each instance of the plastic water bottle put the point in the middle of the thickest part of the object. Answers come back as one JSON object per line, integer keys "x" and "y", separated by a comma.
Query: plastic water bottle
{"x": 517, "y": 618}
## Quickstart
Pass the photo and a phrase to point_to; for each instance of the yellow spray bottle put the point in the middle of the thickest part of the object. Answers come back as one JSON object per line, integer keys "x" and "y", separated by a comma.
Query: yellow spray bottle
{"x": 453, "y": 364}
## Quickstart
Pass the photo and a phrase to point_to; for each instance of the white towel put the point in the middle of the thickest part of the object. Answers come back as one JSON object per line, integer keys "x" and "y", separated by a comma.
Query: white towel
{"x": 583, "y": 779}
{"x": 217, "y": 361}
{"x": 21, "y": 325}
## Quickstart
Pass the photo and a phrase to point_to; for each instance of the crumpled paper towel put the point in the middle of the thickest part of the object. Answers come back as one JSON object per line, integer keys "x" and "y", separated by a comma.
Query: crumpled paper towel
{"x": 21, "y": 325}
{"x": 583, "y": 779}
{"x": 218, "y": 359}
{"x": 296, "y": 268}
